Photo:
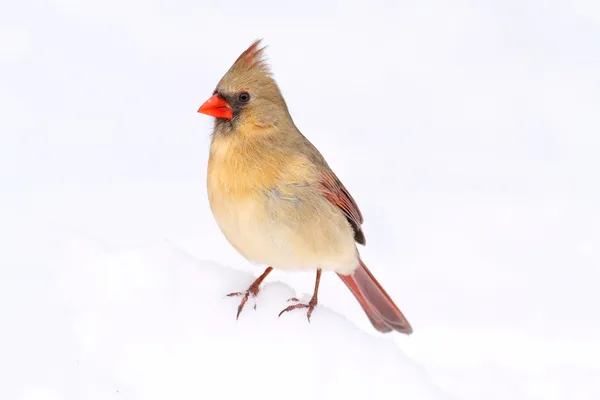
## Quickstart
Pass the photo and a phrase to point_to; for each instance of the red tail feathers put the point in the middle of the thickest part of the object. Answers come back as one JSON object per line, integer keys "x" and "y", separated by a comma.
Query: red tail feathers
{"x": 376, "y": 303}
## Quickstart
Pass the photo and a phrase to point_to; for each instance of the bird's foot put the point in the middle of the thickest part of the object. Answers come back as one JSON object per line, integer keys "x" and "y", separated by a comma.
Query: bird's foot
{"x": 311, "y": 306}
{"x": 252, "y": 291}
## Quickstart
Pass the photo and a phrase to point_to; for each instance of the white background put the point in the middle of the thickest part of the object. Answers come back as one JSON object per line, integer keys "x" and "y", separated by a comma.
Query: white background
{"x": 468, "y": 132}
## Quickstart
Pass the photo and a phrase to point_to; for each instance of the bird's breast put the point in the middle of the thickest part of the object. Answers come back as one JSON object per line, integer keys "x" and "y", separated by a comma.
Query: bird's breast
{"x": 270, "y": 212}
{"x": 238, "y": 181}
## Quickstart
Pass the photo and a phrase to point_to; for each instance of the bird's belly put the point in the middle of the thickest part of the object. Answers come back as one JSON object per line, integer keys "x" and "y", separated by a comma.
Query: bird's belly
{"x": 275, "y": 235}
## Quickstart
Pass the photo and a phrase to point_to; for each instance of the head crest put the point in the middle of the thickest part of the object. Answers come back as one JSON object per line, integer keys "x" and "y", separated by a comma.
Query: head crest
{"x": 251, "y": 58}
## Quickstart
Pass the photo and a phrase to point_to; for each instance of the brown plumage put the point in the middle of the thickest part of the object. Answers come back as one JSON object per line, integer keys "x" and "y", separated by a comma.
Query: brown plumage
{"x": 276, "y": 199}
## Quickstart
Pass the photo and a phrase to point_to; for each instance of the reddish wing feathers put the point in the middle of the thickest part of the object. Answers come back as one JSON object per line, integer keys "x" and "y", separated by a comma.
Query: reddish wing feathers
{"x": 337, "y": 194}
{"x": 377, "y": 304}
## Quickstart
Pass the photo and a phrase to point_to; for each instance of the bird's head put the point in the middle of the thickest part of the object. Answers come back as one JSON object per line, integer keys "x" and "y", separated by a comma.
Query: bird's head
{"x": 247, "y": 95}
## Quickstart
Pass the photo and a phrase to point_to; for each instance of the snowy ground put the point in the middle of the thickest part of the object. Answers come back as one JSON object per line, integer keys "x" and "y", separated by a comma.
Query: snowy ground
{"x": 467, "y": 133}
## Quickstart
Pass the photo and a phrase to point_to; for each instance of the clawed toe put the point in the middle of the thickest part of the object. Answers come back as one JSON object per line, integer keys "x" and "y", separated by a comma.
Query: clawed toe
{"x": 244, "y": 300}
{"x": 311, "y": 306}
{"x": 252, "y": 291}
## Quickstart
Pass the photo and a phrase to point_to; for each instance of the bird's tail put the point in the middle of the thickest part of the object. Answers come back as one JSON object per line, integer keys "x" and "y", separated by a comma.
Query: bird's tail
{"x": 376, "y": 303}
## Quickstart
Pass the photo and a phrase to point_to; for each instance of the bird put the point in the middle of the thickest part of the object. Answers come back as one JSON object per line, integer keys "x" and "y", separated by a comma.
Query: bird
{"x": 275, "y": 198}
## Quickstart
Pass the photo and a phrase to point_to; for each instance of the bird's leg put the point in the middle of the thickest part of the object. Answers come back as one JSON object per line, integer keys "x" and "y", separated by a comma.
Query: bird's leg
{"x": 311, "y": 304}
{"x": 252, "y": 290}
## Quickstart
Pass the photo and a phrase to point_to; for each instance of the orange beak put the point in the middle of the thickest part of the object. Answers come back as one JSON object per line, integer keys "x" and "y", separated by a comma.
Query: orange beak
{"x": 216, "y": 107}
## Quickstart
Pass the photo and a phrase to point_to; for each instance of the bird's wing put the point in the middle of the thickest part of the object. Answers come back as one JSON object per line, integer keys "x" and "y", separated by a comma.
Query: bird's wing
{"x": 335, "y": 192}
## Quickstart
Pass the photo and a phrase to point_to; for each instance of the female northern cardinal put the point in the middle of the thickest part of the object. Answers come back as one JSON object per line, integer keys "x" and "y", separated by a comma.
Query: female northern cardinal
{"x": 275, "y": 198}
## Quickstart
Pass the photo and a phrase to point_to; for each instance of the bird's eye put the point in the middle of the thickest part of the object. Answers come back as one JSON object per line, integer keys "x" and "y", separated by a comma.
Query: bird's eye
{"x": 244, "y": 97}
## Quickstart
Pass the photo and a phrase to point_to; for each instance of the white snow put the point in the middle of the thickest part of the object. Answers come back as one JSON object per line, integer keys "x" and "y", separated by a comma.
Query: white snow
{"x": 151, "y": 322}
{"x": 466, "y": 131}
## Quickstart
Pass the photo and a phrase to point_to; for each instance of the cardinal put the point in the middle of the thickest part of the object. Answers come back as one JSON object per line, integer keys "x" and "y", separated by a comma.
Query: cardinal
{"x": 275, "y": 198}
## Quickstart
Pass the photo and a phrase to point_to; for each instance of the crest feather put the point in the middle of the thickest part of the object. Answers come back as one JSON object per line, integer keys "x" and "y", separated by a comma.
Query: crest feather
{"x": 251, "y": 58}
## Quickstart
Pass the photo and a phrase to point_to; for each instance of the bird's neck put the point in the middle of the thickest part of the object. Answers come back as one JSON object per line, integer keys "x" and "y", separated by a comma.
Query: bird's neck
{"x": 242, "y": 166}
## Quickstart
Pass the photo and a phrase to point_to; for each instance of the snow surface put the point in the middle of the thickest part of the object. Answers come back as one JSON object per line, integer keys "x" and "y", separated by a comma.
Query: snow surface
{"x": 151, "y": 322}
{"x": 466, "y": 131}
